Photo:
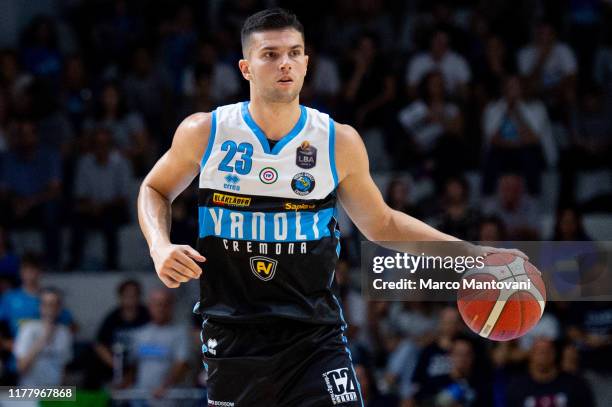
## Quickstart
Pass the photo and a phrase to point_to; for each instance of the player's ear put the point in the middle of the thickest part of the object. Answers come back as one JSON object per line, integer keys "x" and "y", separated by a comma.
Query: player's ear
{"x": 245, "y": 69}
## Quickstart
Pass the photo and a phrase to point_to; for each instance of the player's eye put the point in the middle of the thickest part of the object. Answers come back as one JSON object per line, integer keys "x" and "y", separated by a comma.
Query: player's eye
{"x": 296, "y": 53}
{"x": 269, "y": 54}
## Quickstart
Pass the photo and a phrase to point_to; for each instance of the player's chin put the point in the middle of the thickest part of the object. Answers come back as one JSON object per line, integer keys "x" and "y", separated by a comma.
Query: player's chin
{"x": 284, "y": 95}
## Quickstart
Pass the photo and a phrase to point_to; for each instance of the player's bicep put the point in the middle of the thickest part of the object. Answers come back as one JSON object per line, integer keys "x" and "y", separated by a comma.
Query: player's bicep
{"x": 357, "y": 191}
{"x": 175, "y": 170}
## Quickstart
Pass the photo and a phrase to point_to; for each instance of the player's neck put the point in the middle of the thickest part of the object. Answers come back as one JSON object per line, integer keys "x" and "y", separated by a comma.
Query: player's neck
{"x": 275, "y": 119}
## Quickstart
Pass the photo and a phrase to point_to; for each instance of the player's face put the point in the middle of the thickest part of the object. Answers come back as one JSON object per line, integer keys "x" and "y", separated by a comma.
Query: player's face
{"x": 275, "y": 64}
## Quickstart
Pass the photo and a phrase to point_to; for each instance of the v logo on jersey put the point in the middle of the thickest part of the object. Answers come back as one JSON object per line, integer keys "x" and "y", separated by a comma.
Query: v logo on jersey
{"x": 263, "y": 267}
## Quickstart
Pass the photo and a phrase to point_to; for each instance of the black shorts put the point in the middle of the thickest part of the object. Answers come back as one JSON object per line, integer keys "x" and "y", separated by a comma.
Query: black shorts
{"x": 287, "y": 364}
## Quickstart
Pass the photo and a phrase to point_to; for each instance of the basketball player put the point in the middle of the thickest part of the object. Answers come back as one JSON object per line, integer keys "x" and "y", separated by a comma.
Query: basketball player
{"x": 270, "y": 171}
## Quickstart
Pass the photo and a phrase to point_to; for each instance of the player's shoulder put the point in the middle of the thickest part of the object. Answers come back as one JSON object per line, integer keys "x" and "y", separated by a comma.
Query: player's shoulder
{"x": 350, "y": 151}
{"x": 197, "y": 121}
{"x": 347, "y": 138}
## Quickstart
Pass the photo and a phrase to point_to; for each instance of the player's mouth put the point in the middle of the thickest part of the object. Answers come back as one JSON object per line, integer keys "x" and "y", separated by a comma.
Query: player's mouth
{"x": 285, "y": 81}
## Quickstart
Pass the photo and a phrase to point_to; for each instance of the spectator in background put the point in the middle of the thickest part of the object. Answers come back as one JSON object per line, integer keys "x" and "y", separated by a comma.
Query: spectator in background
{"x": 160, "y": 349}
{"x": 370, "y": 84}
{"x": 491, "y": 229}
{"x": 568, "y": 225}
{"x": 495, "y": 67}
{"x": 128, "y": 129}
{"x": 517, "y": 138}
{"x": 398, "y": 197}
{"x": 178, "y": 43}
{"x": 5, "y": 114}
{"x": 101, "y": 192}
{"x": 548, "y": 64}
{"x": 146, "y": 91}
{"x": 435, "y": 126}
{"x": 322, "y": 84}
{"x": 76, "y": 94}
{"x": 9, "y": 263}
{"x": 458, "y": 217}
{"x": 372, "y": 396}
{"x": 415, "y": 323}
{"x": 590, "y": 144}
{"x": 30, "y": 187}
{"x": 224, "y": 80}
{"x": 440, "y": 57}
{"x": 40, "y": 53}
{"x": 544, "y": 384}
{"x": 114, "y": 338}
{"x": 434, "y": 360}
{"x": 466, "y": 384}
{"x": 12, "y": 78}
{"x": 23, "y": 303}
{"x": 516, "y": 209}
{"x": 201, "y": 100}
{"x": 43, "y": 347}
{"x": 353, "y": 304}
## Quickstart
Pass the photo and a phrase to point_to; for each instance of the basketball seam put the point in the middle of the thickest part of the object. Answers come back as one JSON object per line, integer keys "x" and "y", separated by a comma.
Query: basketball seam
{"x": 520, "y": 308}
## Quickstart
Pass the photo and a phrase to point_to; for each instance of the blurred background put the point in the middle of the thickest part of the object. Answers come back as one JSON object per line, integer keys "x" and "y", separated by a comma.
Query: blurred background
{"x": 490, "y": 120}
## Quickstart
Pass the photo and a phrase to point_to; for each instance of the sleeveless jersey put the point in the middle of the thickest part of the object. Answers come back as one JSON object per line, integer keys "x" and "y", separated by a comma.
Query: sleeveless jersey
{"x": 267, "y": 220}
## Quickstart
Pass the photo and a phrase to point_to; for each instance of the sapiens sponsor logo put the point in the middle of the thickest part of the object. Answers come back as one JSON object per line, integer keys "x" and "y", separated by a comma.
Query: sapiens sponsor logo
{"x": 298, "y": 207}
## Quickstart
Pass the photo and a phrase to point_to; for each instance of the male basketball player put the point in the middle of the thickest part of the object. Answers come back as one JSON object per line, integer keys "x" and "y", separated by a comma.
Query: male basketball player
{"x": 270, "y": 172}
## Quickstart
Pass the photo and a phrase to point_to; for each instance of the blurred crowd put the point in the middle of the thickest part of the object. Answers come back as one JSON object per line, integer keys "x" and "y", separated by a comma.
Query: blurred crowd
{"x": 442, "y": 93}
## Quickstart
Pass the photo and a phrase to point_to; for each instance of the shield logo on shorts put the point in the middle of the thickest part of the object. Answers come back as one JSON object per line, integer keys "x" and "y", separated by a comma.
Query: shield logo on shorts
{"x": 263, "y": 267}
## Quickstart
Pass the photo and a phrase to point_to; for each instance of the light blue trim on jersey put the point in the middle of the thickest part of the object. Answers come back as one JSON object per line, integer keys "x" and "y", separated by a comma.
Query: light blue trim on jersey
{"x": 346, "y": 348}
{"x": 332, "y": 150}
{"x": 224, "y": 220}
{"x": 261, "y": 136}
{"x": 211, "y": 139}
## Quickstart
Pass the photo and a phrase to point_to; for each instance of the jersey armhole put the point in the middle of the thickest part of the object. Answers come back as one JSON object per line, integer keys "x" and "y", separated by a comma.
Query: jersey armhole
{"x": 332, "y": 151}
{"x": 211, "y": 140}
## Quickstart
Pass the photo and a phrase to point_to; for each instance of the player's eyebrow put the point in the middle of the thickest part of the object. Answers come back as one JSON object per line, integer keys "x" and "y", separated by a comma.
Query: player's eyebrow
{"x": 274, "y": 48}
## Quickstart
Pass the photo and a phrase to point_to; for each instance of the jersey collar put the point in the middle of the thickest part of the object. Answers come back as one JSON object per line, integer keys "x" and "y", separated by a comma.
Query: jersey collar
{"x": 248, "y": 119}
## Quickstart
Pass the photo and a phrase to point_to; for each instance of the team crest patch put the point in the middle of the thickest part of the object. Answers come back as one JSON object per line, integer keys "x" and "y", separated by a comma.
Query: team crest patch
{"x": 268, "y": 175}
{"x": 306, "y": 156}
{"x": 340, "y": 386}
{"x": 303, "y": 183}
{"x": 263, "y": 267}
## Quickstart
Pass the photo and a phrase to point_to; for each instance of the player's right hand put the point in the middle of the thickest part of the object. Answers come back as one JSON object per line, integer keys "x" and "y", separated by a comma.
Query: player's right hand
{"x": 175, "y": 264}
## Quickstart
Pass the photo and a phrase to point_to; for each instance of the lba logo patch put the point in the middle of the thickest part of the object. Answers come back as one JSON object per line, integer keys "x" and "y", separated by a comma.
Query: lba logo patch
{"x": 268, "y": 175}
{"x": 340, "y": 386}
{"x": 263, "y": 267}
{"x": 306, "y": 156}
{"x": 303, "y": 183}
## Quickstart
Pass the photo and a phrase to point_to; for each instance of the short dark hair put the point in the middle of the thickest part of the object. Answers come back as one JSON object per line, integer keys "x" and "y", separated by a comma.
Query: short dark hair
{"x": 31, "y": 259}
{"x": 269, "y": 19}
{"x": 124, "y": 285}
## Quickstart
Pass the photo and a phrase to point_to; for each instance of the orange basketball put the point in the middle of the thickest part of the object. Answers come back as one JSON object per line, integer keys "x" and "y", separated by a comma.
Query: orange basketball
{"x": 504, "y": 299}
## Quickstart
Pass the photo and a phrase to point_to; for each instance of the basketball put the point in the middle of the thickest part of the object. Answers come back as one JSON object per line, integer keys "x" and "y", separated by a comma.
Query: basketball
{"x": 504, "y": 299}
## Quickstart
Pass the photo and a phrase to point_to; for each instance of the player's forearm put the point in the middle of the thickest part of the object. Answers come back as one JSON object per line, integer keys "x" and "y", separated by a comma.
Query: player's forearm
{"x": 154, "y": 216}
{"x": 401, "y": 227}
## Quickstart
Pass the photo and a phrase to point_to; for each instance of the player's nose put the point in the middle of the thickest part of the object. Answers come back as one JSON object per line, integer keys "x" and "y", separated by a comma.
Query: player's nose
{"x": 285, "y": 63}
